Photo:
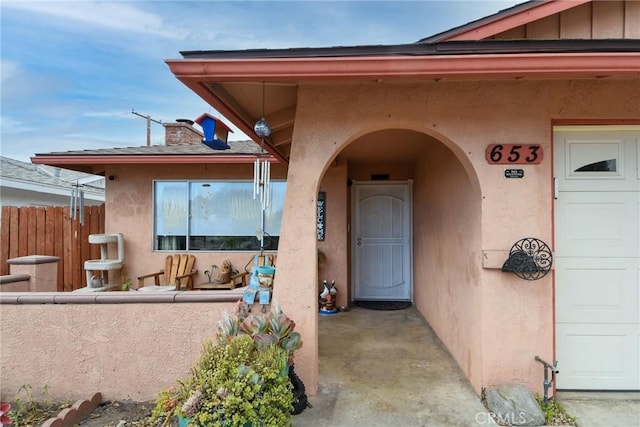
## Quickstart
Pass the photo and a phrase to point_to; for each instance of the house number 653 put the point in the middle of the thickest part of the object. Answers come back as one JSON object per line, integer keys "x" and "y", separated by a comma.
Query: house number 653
{"x": 500, "y": 154}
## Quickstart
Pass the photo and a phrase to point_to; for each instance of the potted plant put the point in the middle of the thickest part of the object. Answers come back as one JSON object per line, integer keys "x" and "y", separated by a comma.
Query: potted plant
{"x": 242, "y": 379}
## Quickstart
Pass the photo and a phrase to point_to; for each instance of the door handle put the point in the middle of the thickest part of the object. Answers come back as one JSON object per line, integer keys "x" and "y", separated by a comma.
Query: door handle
{"x": 359, "y": 241}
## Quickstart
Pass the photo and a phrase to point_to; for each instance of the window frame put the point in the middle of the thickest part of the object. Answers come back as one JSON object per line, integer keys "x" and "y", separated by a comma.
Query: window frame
{"x": 271, "y": 241}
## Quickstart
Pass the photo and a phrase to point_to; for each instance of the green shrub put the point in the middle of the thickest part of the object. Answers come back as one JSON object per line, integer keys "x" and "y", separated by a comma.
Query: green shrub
{"x": 241, "y": 379}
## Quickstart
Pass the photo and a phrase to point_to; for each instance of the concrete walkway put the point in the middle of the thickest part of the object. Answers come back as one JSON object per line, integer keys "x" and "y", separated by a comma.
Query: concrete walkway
{"x": 387, "y": 368}
{"x": 602, "y": 409}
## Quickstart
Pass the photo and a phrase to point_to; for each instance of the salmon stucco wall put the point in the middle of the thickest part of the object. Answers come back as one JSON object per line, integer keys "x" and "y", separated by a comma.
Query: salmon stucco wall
{"x": 335, "y": 244}
{"x": 511, "y": 321}
{"x": 495, "y": 324}
{"x": 124, "y": 351}
{"x": 447, "y": 286}
{"x": 129, "y": 210}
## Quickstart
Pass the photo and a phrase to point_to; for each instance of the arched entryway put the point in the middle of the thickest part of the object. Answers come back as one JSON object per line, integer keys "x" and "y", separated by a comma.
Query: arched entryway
{"x": 445, "y": 230}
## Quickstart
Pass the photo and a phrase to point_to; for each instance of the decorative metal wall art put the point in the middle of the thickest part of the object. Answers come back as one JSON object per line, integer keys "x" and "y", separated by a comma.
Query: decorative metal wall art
{"x": 529, "y": 259}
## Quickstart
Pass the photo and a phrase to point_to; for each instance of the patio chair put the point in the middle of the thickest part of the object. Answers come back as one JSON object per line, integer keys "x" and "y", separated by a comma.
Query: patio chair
{"x": 178, "y": 272}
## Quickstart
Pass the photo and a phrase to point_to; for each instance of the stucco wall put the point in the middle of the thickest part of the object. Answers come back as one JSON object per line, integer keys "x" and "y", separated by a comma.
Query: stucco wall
{"x": 129, "y": 210}
{"x": 516, "y": 321}
{"x": 494, "y": 323}
{"x": 447, "y": 235}
{"x": 124, "y": 351}
{"x": 335, "y": 245}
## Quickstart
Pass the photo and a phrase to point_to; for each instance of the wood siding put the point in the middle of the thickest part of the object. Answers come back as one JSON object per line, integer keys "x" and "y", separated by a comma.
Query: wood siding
{"x": 50, "y": 231}
{"x": 595, "y": 20}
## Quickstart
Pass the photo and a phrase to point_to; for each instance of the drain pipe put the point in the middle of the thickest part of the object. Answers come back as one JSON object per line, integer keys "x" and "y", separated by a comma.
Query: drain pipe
{"x": 548, "y": 382}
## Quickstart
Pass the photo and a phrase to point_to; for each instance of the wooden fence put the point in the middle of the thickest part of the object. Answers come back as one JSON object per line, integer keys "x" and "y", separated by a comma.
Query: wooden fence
{"x": 49, "y": 230}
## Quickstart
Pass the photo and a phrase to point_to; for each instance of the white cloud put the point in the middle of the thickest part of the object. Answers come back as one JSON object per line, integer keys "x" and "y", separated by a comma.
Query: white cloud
{"x": 11, "y": 125}
{"x": 108, "y": 114}
{"x": 8, "y": 70}
{"x": 108, "y": 15}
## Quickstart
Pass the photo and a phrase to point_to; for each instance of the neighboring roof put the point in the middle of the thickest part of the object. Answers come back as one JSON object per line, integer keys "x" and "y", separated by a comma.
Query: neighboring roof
{"x": 237, "y": 147}
{"x": 40, "y": 178}
{"x": 240, "y": 152}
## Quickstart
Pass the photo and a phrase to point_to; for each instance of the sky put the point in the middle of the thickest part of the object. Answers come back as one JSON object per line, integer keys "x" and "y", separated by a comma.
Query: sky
{"x": 72, "y": 72}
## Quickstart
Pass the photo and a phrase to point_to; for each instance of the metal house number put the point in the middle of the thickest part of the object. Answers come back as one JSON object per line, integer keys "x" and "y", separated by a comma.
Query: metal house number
{"x": 514, "y": 154}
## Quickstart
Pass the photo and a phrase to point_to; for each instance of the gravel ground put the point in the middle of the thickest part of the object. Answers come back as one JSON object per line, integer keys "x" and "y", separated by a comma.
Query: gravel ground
{"x": 124, "y": 413}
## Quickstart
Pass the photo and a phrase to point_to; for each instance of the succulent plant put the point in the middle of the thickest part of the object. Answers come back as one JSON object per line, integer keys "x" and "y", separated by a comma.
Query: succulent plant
{"x": 273, "y": 328}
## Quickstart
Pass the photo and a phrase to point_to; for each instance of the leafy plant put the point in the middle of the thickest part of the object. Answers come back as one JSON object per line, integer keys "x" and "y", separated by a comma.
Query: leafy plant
{"x": 554, "y": 413}
{"x": 241, "y": 379}
{"x": 26, "y": 411}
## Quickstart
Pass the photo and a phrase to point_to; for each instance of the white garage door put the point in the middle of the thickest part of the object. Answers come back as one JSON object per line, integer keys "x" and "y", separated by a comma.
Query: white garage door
{"x": 597, "y": 230}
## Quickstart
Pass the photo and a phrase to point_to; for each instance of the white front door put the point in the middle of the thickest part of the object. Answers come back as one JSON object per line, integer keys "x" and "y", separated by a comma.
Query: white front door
{"x": 382, "y": 241}
{"x": 597, "y": 230}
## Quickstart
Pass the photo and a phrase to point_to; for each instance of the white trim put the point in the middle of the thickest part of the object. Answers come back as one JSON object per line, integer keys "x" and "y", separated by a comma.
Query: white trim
{"x": 595, "y": 128}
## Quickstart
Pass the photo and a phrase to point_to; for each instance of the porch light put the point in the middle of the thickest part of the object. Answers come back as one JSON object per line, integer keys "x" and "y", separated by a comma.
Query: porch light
{"x": 215, "y": 132}
{"x": 262, "y": 128}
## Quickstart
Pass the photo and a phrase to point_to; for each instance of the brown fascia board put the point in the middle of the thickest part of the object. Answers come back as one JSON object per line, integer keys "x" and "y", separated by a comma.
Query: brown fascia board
{"x": 194, "y": 73}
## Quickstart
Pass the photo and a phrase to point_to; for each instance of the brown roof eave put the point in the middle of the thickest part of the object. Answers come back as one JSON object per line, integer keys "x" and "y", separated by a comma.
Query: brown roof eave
{"x": 81, "y": 160}
{"x": 193, "y": 72}
{"x": 228, "y": 111}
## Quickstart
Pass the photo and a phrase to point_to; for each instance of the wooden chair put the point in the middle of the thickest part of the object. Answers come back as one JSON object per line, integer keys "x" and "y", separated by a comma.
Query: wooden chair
{"x": 178, "y": 272}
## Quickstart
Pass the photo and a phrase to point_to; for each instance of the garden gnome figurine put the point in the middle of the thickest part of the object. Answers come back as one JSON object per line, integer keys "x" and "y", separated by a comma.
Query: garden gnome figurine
{"x": 328, "y": 298}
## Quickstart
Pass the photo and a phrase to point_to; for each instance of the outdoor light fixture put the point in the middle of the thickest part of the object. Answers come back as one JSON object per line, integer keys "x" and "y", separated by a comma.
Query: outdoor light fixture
{"x": 215, "y": 132}
{"x": 262, "y": 127}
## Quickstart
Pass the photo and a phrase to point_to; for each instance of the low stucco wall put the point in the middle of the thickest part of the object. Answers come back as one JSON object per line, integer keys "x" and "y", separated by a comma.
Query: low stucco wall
{"x": 15, "y": 283}
{"x": 32, "y": 273}
{"x": 126, "y": 345}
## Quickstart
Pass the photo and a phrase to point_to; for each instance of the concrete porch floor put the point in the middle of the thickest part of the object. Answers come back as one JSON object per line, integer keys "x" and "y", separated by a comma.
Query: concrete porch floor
{"x": 388, "y": 368}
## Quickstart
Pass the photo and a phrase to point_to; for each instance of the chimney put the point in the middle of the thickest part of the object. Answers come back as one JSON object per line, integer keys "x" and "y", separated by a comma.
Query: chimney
{"x": 181, "y": 132}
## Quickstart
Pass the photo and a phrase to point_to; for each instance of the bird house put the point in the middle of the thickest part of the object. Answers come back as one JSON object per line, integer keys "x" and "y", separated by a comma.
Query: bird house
{"x": 215, "y": 132}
